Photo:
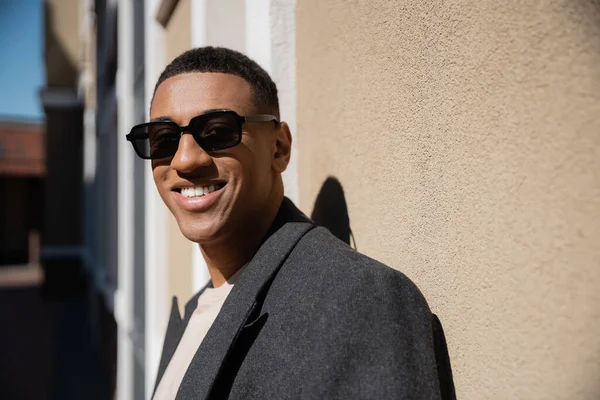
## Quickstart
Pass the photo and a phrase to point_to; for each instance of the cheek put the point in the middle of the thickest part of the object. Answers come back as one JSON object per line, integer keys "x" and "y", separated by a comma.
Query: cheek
{"x": 252, "y": 162}
{"x": 158, "y": 174}
{"x": 260, "y": 169}
{"x": 261, "y": 152}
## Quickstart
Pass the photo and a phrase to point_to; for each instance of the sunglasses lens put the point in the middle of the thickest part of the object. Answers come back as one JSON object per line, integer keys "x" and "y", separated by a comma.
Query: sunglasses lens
{"x": 162, "y": 141}
{"x": 155, "y": 140}
{"x": 217, "y": 131}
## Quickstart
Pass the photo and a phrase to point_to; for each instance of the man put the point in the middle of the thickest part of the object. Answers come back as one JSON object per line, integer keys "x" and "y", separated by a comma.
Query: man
{"x": 290, "y": 312}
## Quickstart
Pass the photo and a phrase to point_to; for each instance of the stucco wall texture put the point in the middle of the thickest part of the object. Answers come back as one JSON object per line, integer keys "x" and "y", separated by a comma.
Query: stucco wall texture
{"x": 467, "y": 138}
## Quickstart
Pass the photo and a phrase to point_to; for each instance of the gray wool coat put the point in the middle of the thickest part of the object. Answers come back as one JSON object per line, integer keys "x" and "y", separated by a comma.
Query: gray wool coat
{"x": 310, "y": 318}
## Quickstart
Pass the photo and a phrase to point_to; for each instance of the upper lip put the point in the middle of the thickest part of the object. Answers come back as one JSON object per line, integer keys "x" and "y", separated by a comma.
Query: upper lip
{"x": 183, "y": 185}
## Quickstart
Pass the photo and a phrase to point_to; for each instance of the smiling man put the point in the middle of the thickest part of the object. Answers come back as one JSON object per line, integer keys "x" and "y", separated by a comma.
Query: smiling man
{"x": 290, "y": 312}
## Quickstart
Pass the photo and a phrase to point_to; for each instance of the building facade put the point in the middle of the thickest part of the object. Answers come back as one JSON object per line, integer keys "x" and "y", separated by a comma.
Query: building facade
{"x": 464, "y": 136}
{"x": 22, "y": 136}
{"x": 62, "y": 253}
{"x": 22, "y": 171}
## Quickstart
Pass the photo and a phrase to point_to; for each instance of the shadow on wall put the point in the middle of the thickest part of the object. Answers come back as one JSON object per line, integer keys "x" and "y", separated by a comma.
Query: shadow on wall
{"x": 331, "y": 211}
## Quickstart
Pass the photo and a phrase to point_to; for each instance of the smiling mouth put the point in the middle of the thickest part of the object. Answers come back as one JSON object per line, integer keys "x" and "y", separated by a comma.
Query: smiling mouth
{"x": 200, "y": 190}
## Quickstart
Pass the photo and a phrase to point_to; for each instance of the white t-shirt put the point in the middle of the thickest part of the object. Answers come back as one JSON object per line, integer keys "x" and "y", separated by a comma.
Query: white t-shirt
{"x": 209, "y": 305}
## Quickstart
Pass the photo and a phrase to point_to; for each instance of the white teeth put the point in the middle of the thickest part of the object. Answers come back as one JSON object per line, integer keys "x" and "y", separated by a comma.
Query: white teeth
{"x": 198, "y": 191}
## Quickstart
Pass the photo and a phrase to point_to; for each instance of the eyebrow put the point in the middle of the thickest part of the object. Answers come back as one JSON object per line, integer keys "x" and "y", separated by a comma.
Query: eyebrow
{"x": 161, "y": 119}
{"x": 164, "y": 118}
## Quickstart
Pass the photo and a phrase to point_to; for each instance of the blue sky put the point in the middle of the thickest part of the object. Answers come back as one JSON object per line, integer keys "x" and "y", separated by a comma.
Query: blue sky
{"x": 21, "y": 58}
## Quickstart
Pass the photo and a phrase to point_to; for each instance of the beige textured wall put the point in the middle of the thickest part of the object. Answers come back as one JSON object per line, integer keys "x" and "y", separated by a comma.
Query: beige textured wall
{"x": 467, "y": 138}
{"x": 177, "y": 40}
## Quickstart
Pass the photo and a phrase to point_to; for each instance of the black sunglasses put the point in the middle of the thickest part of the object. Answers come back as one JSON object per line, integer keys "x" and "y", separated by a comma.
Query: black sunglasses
{"x": 215, "y": 130}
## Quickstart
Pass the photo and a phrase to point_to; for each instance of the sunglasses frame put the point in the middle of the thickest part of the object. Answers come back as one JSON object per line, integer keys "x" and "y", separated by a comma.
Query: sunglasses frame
{"x": 133, "y": 136}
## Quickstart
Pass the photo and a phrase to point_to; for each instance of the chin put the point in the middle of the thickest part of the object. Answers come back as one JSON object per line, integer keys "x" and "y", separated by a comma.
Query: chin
{"x": 200, "y": 233}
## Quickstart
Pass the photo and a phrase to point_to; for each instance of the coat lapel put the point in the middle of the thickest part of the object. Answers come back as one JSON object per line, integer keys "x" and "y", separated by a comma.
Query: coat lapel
{"x": 240, "y": 303}
{"x": 175, "y": 329}
{"x": 174, "y": 332}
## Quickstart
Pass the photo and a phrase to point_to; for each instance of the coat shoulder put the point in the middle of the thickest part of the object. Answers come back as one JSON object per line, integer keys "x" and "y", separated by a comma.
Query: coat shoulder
{"x": 330, "y": 305}
{"x": 324, "y": 260}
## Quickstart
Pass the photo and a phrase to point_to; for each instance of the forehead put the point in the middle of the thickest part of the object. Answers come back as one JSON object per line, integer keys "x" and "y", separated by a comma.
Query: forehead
{"x": 184, "y": 96}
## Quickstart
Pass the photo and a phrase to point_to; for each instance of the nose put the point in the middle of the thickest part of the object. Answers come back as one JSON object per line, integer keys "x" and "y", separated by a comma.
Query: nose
{"x": 189, "y": 156}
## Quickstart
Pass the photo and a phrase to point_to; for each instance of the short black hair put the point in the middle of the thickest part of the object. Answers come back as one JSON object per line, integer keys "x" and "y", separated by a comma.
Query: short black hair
{"x": 227, "y": 61}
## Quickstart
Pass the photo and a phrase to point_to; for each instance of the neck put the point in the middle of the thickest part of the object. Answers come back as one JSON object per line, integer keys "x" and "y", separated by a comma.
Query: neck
{"x": 225, "y": 257}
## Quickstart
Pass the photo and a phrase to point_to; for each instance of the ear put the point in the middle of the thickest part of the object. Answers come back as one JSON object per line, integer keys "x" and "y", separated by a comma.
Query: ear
{"x": 282, "y": 148}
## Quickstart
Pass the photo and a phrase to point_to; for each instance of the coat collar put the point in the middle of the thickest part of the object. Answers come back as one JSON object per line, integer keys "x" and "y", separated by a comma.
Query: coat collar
{"x": 287, "y": 229}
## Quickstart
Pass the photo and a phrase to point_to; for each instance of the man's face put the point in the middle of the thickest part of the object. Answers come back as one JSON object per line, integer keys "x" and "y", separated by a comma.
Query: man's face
{"x": 243, "y": 175}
